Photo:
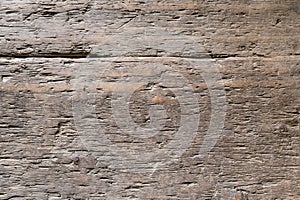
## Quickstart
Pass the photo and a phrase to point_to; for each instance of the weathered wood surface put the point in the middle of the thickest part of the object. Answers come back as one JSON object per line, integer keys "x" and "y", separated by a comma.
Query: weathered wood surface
{"x": 255, "y": 44}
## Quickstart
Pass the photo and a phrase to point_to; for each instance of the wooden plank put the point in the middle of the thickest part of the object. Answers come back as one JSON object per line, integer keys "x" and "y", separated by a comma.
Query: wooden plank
{"x": 69, "y": 29}
{"x": 66, "y": 66}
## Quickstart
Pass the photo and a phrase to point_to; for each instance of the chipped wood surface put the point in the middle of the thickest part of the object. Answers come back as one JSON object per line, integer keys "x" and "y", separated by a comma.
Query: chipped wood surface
{"x": 254, "y": 44}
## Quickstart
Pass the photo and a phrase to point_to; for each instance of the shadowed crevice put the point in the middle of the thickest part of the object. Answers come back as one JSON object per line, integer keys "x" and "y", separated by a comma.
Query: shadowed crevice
{"x": 48, "y": 55}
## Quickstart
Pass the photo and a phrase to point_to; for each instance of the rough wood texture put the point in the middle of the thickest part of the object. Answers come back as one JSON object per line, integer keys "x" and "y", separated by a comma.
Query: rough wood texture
{"x": 255, "y": 45}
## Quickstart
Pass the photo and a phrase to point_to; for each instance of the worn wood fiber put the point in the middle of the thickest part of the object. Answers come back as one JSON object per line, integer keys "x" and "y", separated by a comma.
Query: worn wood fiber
{"x": 60, "y": 58}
